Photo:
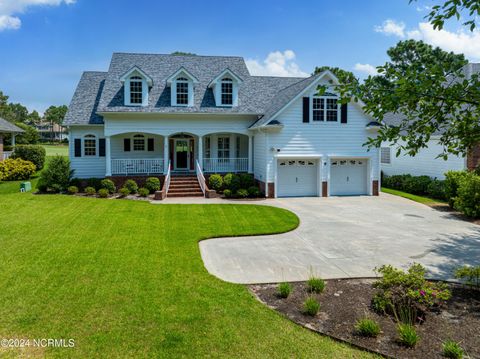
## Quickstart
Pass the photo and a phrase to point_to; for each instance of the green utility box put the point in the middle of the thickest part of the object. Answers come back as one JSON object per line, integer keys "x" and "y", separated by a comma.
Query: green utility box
{"x": 25, "y": 187}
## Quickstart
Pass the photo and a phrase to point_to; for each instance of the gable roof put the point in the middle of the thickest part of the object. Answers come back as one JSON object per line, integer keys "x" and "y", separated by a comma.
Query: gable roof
{"x": 84, "y": 105}
{"x": 138, "y": 70}
{"x": 180, "y": 71}
{"x": 8, "y": 127}
{"x": 224, "y": 73}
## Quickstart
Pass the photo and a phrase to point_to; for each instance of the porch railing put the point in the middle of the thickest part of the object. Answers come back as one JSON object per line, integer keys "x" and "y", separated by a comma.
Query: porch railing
{"x": 167, "y": 178}
{"x": 137, "y": 166}
{"x": 217, "y": 165}
{"x": 200, "y": 177}
{"x": 7, "y": 154}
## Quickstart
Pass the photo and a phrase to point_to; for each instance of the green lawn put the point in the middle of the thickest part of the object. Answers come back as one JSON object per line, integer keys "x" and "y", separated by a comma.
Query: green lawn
{"x": 125, "y": 279}
{"x": 413, "y": 197}
{"x": 54, "y": 150}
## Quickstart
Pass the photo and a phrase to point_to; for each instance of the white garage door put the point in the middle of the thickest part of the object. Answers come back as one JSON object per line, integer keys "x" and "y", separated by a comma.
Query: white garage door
{"x": 348, "y": 177}
{"x": 297, "y": 178}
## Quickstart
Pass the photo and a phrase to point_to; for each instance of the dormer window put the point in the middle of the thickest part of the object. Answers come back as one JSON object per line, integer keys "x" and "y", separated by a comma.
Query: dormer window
{"x": 136, "y": 90}
{"x": 227, "y": 91}
{"x": 325, "y": 108}
{"x": 182, "y": 91}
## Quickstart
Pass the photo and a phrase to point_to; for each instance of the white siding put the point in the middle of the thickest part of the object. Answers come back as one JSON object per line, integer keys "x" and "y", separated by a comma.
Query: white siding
{"x": 259, "y": 148}
{"x": 424, "y": 163}
{"x": 90, "y": 166}
{"x": 325, "y": 139}
{"x": 117, "y": 152}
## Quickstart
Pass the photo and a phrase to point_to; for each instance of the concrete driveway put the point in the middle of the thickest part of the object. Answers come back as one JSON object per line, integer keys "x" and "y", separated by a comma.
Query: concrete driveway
{"x": 342, "y": 237}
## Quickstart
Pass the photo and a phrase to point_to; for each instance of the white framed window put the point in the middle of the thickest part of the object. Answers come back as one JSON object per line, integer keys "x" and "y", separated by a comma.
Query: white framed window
{"x": 182, "y": 91}
{"x": 386, "y": 155}
{"x": 139, "y": 143}
{"x": 237, "y": 147}
{"x": 136, "y": 90}
{"x": 226, "y": 91}
{"x": 207, "y": 147}
{"x": 223, "y": 147}
{"x": 325, "y": 108}
{"x": 89, "y": 145}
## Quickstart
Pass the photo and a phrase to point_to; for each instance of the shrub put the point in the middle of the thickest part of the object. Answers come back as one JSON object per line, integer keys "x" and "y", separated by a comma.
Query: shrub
{"x": 108, "y": 185}
{"x": 90, "y": 191}
{"x": 254, "y": 192}
{"x": 246, "y": 180}
{"x": 227, "y": 180}
{"x": 124, "y": 192}
{"x": 227, "y": 193}
{"x": 311, "y": 306}
{"x": 417, "y": 184}
{"x": 94, "y": 182}
{"x": 152, "y": 184}
{"x": 143, "y": 192}
{"x": 232, "y": 182}
{"x": 367, "y": 327}
{"x": 452, "y": 182}
{"x": 215, "y": 182}
{"x": 452, "y": 349}
{"x": 284, "y": 290}
{"x": 407, "y": 335}
{"x": 242, "y": 193}
{"x": 33, "y": 153}
{"x": 436, "y": 189}
{"x": 72, "y": 190}
{"x": 15, "y": 169}
{"x": 468, "y": 196}
{"x": 407, "y": 293}
{"x": 315, "y": 285}
{"x": 469, "y": 275}
{"x": 103, "y": 193}
{"x": 131, "y": 185}
{"x": 57, "y": 175}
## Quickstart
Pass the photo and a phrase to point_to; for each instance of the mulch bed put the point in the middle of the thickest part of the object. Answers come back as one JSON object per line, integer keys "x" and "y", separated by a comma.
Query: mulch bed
{"x": 345, "y": 301}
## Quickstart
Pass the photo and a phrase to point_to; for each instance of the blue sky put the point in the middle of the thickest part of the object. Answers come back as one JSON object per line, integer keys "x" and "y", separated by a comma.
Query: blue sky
{"x": 45, "y": 48}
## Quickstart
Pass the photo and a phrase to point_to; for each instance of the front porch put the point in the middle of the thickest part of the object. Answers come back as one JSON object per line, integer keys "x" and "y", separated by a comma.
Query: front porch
{"x": 144, "y": 154}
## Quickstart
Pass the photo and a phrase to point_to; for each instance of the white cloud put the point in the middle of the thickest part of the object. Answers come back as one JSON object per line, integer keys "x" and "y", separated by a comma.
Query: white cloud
{"x": 391, "y": 27}
{"x": 9, "y": 22}
{"x": 461, "y": 41}
{"x": 277, "y": 63}
{"x": 365, "y": 68}
{"x": 12, "y": 7}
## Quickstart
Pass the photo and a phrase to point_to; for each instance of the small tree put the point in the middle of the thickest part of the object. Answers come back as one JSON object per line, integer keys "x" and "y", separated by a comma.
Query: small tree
{"x": 57, "y": 176}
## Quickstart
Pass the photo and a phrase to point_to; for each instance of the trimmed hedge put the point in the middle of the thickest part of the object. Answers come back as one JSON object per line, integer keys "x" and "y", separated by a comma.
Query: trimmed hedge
{"x": 33, "y": 153}
{"x": 419, "y": 185}
{"x": 16, "y": 169}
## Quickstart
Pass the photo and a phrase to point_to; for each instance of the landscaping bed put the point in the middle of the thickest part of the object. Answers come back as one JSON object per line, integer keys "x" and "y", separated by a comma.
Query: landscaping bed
{"x": 343, "y": 302}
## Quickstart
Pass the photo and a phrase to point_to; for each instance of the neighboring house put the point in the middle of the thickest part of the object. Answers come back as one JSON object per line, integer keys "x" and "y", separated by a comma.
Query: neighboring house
{"x": 427, "y": 162}
{"x": 167, "y": 114}
{"x": 9, "y": 129}
{"x": 49, "y": 132}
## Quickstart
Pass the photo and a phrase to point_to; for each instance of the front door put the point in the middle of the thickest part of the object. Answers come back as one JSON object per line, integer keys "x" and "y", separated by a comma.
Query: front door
{"x": 182, "y": 154}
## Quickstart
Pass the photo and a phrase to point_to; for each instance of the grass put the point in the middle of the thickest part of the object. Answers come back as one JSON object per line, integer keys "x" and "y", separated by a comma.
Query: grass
{"x": 54, "y": 150}
{"x": 413, "y": 197}
{"x": 125, "y": 279}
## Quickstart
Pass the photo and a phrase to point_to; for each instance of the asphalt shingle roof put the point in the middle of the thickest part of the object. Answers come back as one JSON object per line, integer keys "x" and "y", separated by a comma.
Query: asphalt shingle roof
{"x": 104, "y": 92}
{"x": 8, "y": 127}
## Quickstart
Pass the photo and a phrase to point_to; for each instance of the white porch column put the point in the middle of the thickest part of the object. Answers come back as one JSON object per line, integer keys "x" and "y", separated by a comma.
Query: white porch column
{"x": 13, "y": 139}
{"x": 250, "y": 154}
{"x": 200, "y": 151}
{"x": 165, "y": 154}
{"x": 108, "y": 159}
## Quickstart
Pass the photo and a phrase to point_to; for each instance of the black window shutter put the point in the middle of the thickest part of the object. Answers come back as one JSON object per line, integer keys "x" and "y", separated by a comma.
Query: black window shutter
{"x": 150, "y": 145}
{"x": 78, "y": 147}
{"x": 343, "y": 113}
{"x": 126, "y": 144}
{"x": 306, "y": 109}
{"x": 101, "y": 147}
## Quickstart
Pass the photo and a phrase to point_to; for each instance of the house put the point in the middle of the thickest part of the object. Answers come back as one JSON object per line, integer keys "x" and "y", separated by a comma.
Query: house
{"x": 9, "y": 129}
{"x": 51, "y": 132}
{"x": 426, "y": 162}
{"x": 170, "y": 115}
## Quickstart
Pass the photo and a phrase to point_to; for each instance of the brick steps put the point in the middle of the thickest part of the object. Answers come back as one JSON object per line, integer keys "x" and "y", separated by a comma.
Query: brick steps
{"x": 184, "y": 186}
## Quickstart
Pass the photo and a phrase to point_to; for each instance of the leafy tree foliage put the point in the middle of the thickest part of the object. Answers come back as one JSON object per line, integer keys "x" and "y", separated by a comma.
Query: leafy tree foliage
{"x": 181, "y": 53}
{"x": 343, "y": 76}
{"x": 29, "y": 137}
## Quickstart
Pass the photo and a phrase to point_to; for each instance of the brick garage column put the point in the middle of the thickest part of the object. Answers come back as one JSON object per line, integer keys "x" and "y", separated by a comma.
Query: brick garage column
{"x": 375, "y": 189}
{"x": 473, "y": 157}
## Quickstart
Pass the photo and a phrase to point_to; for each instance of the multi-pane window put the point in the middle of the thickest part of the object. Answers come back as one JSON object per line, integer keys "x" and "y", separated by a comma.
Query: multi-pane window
{"x": 207, "y": 147}
{"x": 182, "y": 91}
{"x": 138, "y": 143}
{"x": 325, "y": 109}
{"x": 318, "y": 109}
{"x": 237, "y": 146}
{"x": 224, "y": 147}
{"x": 136, "y": 90}
{"x": 89, "y": 145}
{"x": 385, "y": 155}
{"x": 227, "y": 91}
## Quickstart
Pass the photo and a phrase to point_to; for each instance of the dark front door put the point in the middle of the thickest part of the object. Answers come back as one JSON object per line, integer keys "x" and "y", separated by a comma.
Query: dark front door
{"x": 181, "y": 154}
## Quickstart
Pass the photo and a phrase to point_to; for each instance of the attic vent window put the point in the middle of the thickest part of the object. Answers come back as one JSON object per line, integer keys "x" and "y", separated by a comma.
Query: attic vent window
{"x": 227, "y": 91}
{"x": 182, "y": 91}
{"x": 136, "y": 90}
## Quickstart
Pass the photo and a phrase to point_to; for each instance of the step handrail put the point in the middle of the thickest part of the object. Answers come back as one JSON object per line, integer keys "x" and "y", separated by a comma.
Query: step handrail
{"x": 200, "y": 177}
{"x": 167, "y": 178}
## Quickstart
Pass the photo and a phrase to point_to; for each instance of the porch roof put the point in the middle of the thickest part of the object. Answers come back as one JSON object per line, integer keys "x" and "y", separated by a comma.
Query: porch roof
{"x": 8, "y": 127}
